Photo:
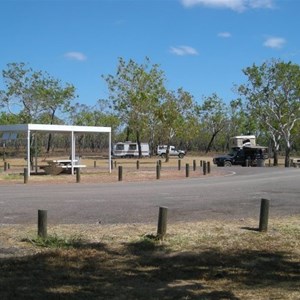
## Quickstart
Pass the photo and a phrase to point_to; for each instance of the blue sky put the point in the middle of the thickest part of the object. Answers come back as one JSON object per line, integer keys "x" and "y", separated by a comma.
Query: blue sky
{"x": 201, "y": 45}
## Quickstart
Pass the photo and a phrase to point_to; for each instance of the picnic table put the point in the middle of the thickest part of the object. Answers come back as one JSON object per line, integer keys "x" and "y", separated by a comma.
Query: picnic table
{"x": 57, "y": 166}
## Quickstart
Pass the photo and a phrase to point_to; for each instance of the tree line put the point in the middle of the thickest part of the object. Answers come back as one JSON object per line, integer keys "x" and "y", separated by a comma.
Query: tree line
{"x": 140, "y": 108}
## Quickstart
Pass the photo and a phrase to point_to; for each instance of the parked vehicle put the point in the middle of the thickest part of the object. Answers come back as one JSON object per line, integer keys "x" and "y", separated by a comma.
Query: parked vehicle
{"x": 244, "y": 152}
{"x": 248, "y": 155}
{"x": 162, "y": 151}
{"x": 130, "y": 149}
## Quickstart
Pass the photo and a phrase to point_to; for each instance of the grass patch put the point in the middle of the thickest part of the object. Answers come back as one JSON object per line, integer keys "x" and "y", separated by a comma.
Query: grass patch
{"x": 203, "y": 260}
{"x": 54, "y": 241}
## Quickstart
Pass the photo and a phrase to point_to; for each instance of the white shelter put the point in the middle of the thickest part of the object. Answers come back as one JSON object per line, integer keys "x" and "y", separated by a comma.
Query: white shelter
{"x": 66, "y": 129}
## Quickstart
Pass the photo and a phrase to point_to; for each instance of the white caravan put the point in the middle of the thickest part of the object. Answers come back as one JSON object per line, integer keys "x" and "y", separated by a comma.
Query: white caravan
{"x": 130, "y": 149}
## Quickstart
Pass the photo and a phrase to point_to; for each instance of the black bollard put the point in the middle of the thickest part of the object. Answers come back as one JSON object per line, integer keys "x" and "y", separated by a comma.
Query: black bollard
{"x": 78, "y": 175}
{"x": 187, "y": 170}
{"x": 120, "y": 173}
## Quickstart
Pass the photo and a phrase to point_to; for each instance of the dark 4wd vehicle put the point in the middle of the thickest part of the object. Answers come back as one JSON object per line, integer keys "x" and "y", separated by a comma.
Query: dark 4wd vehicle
{"x": 252, "y": 156}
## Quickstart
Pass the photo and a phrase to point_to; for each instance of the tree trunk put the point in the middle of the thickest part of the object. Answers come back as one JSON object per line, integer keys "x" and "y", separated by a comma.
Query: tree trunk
{"x": 139, "y": 144}
{"x": 275, "y": 164}
{"x": 211, "y": 141}
{"x": 168, "y": 153}
{"x": 49, "y": 142}
{"x": 127, "y": 133}
{"x": 287, "y": 157}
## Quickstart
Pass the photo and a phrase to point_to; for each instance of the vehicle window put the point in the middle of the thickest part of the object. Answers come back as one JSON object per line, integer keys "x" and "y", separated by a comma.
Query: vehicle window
{"x": 120, "y": 147}
{"x": 233, "y": 152}
{"x": 132, "y": 147}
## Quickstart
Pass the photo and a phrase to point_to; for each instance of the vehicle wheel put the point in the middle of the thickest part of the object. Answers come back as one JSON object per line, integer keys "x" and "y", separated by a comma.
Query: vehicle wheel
{"x": 180, "y": 155}
{"x": 163, "y": 155}
{"x": 227, "y": 163}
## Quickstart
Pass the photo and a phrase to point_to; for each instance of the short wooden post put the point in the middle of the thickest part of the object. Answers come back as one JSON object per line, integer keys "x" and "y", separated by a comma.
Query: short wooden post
{"x": 42, "y": 223}
{"x": 115, "y": 163}
{"x": 78, "y": 175}
{"x": 204, "y": 168}
{"x": 179, "y": 164}
{"x": 269, "y": 162}
{"x": 8, "y": 166}
{"x": 5, "y": 166}
{"x": 137, "y": 164}
{"x": 264, "y": 215}
{"x": 194, "y": 165}
{"x": 187, "y": 170}
{"x": 112, "y": 164}
{"x": 157, "y": 171}
{"x": 208, "y": 167}
{"x": 25, "y": 175}
{"x": 159, "y": 163}
{"x": 95, "y": 164}
{"x": 201, "y": 163}
{"x": 162, "y": 222}
{"x": 120, "y": 173}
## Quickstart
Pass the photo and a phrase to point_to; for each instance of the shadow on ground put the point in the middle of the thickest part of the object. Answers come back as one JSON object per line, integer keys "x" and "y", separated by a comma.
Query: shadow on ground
{"x": 144, "y": 270}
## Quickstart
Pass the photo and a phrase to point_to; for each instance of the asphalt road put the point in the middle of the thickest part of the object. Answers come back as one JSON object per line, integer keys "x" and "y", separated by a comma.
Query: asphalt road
{"x": 235, "y": 196}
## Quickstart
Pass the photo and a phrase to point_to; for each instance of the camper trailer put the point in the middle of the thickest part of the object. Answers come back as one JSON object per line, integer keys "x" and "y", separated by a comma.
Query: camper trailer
{"x": 241, "y": 141}
{"x": 130, "y": 149}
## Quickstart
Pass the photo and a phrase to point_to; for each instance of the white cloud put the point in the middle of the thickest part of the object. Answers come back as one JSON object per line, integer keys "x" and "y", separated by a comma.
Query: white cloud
{"x": 183, "y": 50}
{"x": 274, "y": 42}
{"x": 75, "y": 56}
{"x": 224, "y": 34}
{"x": 236, "y": 5}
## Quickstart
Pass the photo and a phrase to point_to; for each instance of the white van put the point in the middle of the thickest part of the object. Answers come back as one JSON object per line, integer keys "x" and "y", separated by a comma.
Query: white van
{"x": 130, "y": 149}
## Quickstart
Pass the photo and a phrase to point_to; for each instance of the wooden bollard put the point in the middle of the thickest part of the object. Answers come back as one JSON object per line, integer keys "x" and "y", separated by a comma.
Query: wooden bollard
{"x": 162, "y": 222}
{"x": 95, "y": 164}
{"x": 115, "y": 163}
{"x": 159, "y": 163}
{"x": 8, "y": 166}
{"x": 204, "y": 168}
{"x": 201, "y": 163}
{"x": 208, "y": 167}
{"x": 5, "y": 166}
{"x": 264, "y": 215}
{"x": 42, "y": 223}
{"x": 194, "y": 165}
{"x": 179, "y": 164}
{"x": 269, "y": 162}
{"x": 157, "y": 171}
{"x": 120, "y": 173}
{"x": 187, "y": 170}
{"x": 112, "y": 164}
{"x": 25, "y": 175}
{"x": 137, "y": 164}
{"x": 78, "y": 175}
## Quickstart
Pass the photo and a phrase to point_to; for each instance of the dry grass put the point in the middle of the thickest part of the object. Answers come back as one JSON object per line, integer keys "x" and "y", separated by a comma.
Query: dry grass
{"x": 100, "y": 174}
{"x": 205, "y": 260}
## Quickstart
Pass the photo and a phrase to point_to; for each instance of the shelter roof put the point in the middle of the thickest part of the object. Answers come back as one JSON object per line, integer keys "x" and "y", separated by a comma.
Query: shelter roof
{"x": 53, "y": 128}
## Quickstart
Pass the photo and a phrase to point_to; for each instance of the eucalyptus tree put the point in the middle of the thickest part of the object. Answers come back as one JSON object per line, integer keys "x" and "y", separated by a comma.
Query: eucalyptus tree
{"x": 35, "y": 96}
{"x": 176, "y": 117}
{"x": 273, "y": 95}
{"x": 134, "y": 92}
{"x": 97, "y": 115}
{"x": 214, "y": 117}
